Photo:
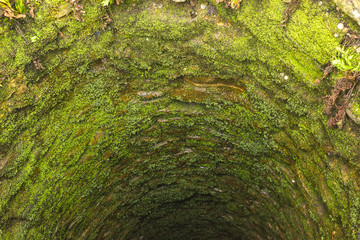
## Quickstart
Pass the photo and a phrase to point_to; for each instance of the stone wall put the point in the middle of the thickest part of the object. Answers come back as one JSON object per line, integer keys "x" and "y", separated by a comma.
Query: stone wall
{"x": 174, "y": 120}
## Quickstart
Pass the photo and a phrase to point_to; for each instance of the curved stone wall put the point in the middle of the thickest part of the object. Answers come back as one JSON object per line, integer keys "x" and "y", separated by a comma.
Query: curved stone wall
{"x": 174, "y": 120}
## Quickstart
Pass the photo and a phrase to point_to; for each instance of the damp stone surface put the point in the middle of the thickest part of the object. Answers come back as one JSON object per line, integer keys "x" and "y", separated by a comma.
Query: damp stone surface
{"x": 174, "y": 120}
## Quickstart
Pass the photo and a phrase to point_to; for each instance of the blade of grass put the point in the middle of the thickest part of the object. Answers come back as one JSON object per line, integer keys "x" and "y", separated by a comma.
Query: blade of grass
{"x": 20, "y": 6}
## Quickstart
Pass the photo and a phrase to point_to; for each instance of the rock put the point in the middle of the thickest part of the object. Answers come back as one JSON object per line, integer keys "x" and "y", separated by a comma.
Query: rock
{"x": 350, "y": 7}
{"x": 150, "y": 95}
{"x": 353, "y": 117}
{"x": 63, "y": 10}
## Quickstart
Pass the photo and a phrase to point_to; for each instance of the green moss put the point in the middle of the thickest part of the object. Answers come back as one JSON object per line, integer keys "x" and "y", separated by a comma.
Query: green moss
{"x": 169, "y": 125}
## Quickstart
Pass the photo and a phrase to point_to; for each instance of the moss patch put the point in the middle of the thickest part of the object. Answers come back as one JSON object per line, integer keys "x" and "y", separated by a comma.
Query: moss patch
{"x": 172, "y": 121}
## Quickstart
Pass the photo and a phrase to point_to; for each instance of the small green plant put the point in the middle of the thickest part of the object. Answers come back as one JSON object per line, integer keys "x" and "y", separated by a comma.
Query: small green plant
{"x": 20, "y": 6}
{"x": 338, "y": 102}
{"x": 346, "y": 60}
{"x": 10, "y": 12}
{"x": 5, "y": 4}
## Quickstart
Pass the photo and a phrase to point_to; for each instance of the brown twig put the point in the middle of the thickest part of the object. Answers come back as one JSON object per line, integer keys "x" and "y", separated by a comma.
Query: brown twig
{"x": 341, "y": 93}
{"x": 293, "y": 5}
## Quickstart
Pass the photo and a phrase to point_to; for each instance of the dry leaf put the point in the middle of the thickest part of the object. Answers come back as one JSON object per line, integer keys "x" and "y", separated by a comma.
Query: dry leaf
{"x": 31, "y": 12}
{"x": 20, "y": 16}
